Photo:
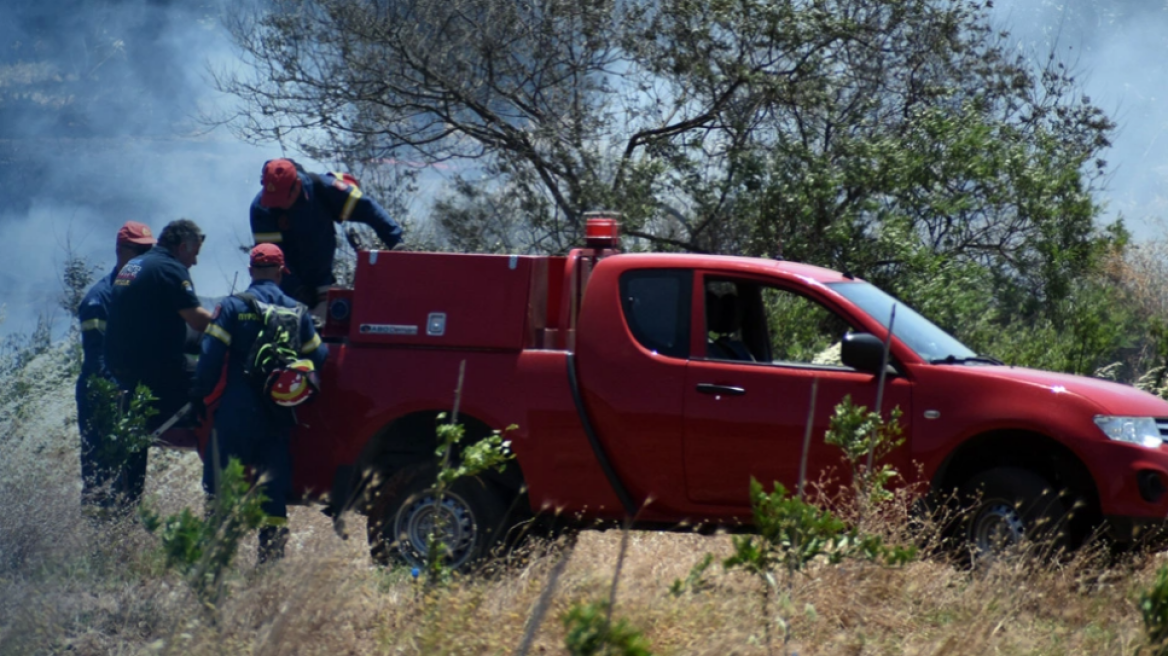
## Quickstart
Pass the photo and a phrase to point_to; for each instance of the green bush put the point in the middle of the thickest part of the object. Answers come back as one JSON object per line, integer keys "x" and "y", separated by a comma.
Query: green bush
{"x": 591, "y": 632}
{"x": 121, "y": 422}
{"x": 1154, "y": 608}
{"x": 203, "y": 549}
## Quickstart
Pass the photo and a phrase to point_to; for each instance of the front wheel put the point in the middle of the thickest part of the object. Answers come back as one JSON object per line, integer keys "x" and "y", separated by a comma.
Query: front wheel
{"x": 464, "y": 522}
{"x": 1009, "y": 507}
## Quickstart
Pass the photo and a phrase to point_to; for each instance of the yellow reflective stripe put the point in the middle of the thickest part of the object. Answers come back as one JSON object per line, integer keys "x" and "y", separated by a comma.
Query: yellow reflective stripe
{"x": 268, "y": 237}
{"x": 93, "y": 324}
{"x": 218, "y": 333}
{"x": 311, "y": 345}
{"x": 351, "y": 202}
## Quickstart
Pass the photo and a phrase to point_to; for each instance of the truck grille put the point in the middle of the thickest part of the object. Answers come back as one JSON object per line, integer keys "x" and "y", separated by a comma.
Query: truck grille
{"x": 1162, "y": 424}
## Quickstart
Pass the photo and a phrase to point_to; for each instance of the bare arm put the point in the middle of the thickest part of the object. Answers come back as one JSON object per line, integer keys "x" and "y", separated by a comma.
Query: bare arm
{"x": 196, "y": 317}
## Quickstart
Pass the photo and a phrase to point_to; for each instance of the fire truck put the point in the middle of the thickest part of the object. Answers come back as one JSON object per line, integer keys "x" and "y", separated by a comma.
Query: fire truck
{"x": 651, "y": 388}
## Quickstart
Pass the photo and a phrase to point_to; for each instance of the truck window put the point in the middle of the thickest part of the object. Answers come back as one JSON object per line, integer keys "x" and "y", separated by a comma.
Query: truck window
{"x": 656, "y": 306}
{"x": 748, "y": 321}
{"x": 801, "y": 330}
{"x": 725, "y": 314}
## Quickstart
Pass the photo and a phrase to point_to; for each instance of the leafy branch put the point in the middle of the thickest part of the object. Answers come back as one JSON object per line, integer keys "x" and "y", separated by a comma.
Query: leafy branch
{"x": 120, "y": 418}
{"x": 204, "y": 549}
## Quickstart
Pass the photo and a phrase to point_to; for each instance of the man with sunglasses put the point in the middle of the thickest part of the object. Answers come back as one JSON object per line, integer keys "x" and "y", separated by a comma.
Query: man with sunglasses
{"x": 296, "y": 211}
{"x": 152, "y": 302}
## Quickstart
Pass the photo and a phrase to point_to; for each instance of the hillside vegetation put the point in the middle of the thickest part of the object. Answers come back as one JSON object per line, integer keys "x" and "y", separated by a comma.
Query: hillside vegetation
{"x": 68, "y": 585}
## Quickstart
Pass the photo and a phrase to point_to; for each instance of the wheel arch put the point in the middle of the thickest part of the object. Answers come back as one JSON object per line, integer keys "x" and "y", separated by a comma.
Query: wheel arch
{"x": 1035, "y": 452}
{"x": 411, "y": 440}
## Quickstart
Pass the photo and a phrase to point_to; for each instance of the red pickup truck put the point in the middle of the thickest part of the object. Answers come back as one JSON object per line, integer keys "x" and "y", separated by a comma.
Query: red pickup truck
{"x": 655, "y": 386}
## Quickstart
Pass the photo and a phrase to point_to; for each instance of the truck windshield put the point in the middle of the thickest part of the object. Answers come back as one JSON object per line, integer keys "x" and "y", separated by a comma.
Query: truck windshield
{"x": 918, "y": 333}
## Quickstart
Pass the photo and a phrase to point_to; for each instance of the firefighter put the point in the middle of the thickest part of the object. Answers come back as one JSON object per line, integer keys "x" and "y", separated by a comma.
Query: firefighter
{"x": 133, "y": 240}
{"x": 249, "y": 425}
{"x": 152, "y": 302}
{"x": 296, "y": 210}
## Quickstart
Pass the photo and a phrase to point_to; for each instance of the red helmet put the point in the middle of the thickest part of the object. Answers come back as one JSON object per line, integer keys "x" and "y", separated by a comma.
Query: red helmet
{"x": 294, "y": 385}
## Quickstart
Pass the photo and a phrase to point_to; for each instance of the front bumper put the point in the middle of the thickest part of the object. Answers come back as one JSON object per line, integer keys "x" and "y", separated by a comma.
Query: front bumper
{"x": 1137, "y": 531}
{"x": 1132, "y": 481}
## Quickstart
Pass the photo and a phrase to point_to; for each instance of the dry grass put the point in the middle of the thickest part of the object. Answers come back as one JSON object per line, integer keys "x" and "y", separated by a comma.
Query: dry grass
{"x": 80, "y": 589}
{"x": 67, "y": 586}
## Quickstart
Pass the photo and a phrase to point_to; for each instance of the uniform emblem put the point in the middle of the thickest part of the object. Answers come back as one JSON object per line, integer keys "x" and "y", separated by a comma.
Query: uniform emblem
{"x": 341, "y": 184}
{"x": 215, "y": 314}
{"x": 187, "y": 285}
{"x": 128, "y": 273}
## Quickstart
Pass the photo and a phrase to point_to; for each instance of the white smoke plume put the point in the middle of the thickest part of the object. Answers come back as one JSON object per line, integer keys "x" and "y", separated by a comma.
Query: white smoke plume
{"x": 99, "y": 100}
{"x": 99, "y": 124}
{"x": 1117, "y": 50}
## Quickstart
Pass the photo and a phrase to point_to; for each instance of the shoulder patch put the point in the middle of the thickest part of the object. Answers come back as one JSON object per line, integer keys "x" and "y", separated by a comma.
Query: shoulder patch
{"x": 218, "y": 309}
{"x": 341, "y": 185}
{"x": 187, "y": 285}
{"x": 129, "y": 272}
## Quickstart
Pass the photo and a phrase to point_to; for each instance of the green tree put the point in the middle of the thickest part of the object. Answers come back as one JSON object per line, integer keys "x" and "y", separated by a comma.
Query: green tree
{"x": 890, "y": 138}
{"x": 692, "y": 117}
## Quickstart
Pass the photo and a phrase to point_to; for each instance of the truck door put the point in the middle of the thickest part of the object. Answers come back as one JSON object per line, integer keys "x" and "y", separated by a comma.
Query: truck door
{"x": 633, "y": 349}
{"x": 747, "y": 396}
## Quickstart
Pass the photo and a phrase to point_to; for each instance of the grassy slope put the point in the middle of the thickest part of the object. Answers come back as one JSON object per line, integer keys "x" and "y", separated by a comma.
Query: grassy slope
{"x": 69, "y": 587}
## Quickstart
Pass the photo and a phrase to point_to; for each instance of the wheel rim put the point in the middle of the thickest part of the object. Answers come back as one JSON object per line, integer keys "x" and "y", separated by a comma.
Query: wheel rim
{"x": 451, "y": 521}
{"x": 997, "y": 528}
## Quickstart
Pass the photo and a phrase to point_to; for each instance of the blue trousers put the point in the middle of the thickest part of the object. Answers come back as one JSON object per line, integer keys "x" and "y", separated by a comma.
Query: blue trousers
{"x": 245, "y": 433}
{"x": 96, "y": 470}
{"x": 171, "y": 390}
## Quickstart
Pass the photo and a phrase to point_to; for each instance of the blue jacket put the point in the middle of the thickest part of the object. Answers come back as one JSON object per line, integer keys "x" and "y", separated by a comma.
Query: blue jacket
{"x": 93, "y": 315}
{"x": 305, "y": 231}
{"x": 230, "y": 336}
{"x": 146, "y": 334}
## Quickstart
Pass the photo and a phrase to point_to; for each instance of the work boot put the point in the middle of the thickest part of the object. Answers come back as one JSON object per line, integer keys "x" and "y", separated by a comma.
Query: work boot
{"x": 271, "y": 547}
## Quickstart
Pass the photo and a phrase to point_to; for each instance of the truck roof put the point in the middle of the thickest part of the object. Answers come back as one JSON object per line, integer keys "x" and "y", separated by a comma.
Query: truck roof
{"x": 733, "y": 263}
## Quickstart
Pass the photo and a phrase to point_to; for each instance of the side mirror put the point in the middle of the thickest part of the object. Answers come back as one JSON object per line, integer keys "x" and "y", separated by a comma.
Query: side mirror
{"x": 862, "y": 351}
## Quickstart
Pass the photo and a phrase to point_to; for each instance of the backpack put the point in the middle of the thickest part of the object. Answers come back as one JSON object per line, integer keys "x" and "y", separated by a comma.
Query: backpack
{"x": 273, "y": 366}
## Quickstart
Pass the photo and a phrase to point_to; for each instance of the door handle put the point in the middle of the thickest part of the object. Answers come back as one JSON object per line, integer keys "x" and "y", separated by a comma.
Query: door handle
{"x": 729, "y": 390}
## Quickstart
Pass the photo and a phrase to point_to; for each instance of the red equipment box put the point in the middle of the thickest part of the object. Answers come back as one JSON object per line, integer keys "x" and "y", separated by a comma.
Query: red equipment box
{"x": 448, "y": 300}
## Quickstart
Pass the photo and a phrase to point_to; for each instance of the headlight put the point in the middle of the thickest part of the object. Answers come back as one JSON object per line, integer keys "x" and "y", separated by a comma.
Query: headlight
{"x": 1137, "y": 430}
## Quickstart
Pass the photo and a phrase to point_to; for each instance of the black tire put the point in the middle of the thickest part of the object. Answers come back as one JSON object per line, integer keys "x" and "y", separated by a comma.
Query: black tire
{"x": 381, "y": 506}
{"x": 408, "y": 510}
{"x": 1008, "y": 508}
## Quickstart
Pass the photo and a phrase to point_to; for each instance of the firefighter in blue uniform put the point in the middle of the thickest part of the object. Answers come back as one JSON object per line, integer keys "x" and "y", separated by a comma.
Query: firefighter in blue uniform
{"x": 296, "y": 211}
{"x": 133, "y": 240}
{"x": 152, "y": 302}
{"x": 249, "y": 426}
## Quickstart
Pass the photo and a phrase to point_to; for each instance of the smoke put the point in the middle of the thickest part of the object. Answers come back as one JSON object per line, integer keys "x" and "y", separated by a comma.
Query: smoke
{"x": 99, "y": 107}
{"x": 99, "y": 100}
{"x": 1117, "y": 50}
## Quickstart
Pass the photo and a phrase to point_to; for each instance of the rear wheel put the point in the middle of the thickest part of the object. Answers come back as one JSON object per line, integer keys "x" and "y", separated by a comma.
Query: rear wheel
{"x": 1011, "y": 507}
{"x": 466, "y": 519}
